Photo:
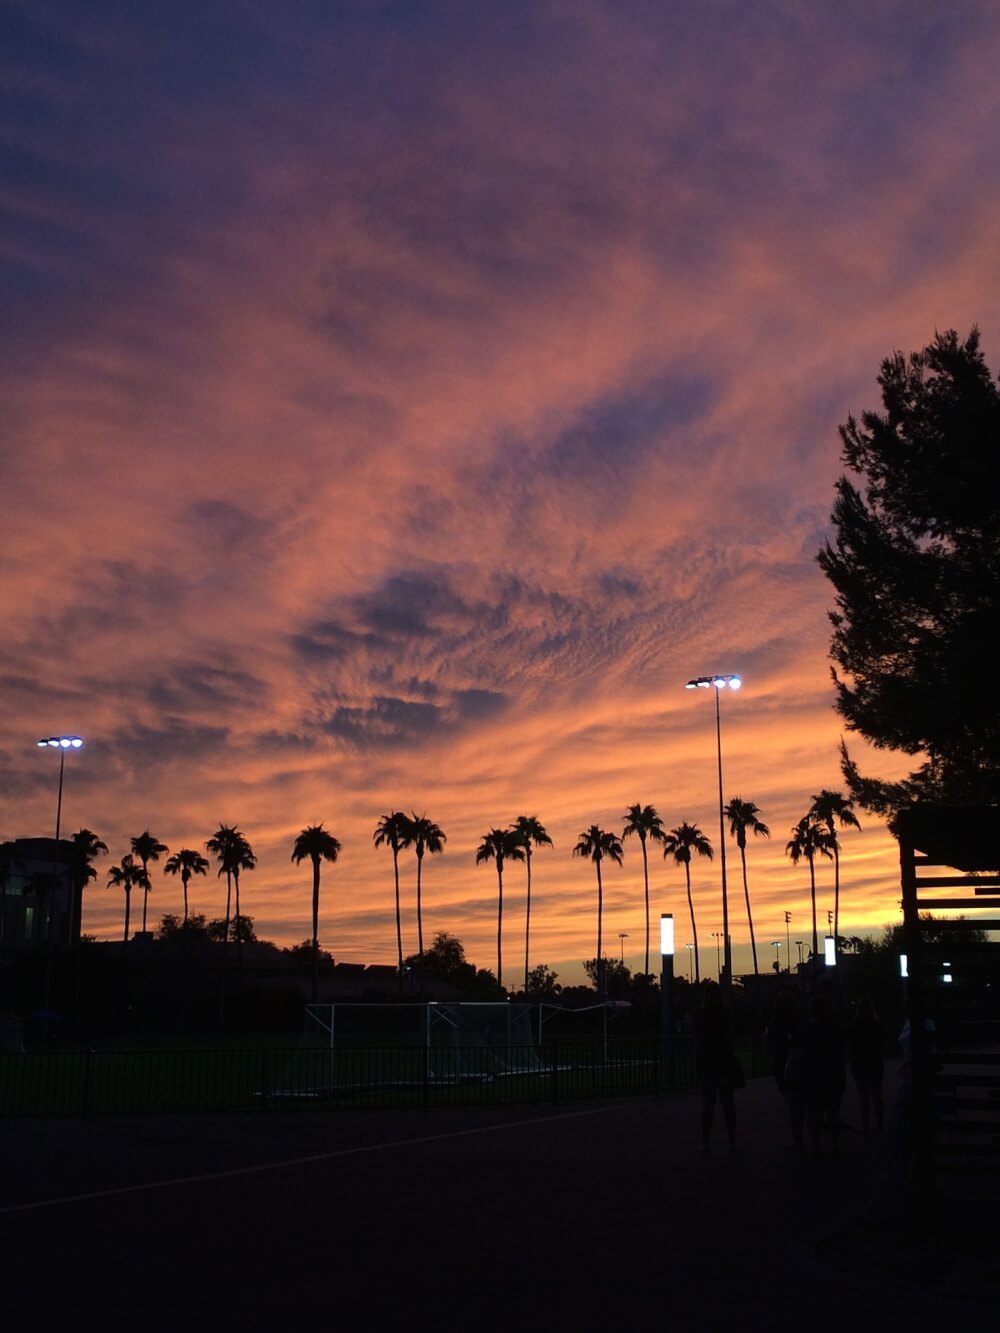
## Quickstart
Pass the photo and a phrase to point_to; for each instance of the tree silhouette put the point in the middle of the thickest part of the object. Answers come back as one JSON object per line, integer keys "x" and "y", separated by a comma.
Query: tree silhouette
{"x": 643, "y": 821}
{"x": 809, "y": 839}
{"x": 186, "y": 863}
{"x": 147, "y": 848}
{"x": 500, "y": 845}
{"x": 679, "y": 843}
{"x": 128, "y": 875}
{"x": 234, "y": 854}
{"x": 827, "y": 808}
{"x": 423, "y": 835}
{"x": 742, "y": 816}
{"x": 86, "y": 847}
{"x": 391, "y": 832}
{"x": 531, "y": 833}
{"x": 596, "y": 844}
{"x": 914, "y": 567}
{"x": 315, "y": 843}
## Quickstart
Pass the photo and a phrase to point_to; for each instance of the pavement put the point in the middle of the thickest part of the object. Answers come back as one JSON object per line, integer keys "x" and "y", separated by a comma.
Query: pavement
{"x": 571, "y": 1217}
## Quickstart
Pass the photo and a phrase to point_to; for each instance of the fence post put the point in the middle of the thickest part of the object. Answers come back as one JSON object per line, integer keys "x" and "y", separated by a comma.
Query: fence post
{"x": 263, "y": 1094}
{"x": 555, "y": 1075}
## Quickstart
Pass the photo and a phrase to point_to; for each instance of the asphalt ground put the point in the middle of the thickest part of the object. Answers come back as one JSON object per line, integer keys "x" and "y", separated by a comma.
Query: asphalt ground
{"x": 586, "y": 1216}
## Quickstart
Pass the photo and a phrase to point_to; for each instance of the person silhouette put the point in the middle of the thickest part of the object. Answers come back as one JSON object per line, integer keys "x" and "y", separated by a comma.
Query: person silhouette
{"x": 864, "y": 1055}
{"x": 715, "y": 1064}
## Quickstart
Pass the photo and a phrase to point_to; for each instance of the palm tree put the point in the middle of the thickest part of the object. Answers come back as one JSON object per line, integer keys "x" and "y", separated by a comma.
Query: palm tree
{"x": 644, "y": 821}
{"x": 531, "y": 832}
{"x": 147, "y": 848}
{"x": 423, "y": 835}
{"x": 742, "y": 816}
{"x": 827, "y": 807}
{"x": 596, "y": 844}
{"x": 86, "y": 846}
{"x": 231, "y": 849}
{"x": 390, "y": 831}
{"x": 128, "y": 876}
{"x": 809, "y": 837}
{"x": 318, "y": 845}
{"x": 186, "y": 863}
{"x": 499, "y": 845}
{"x": 679, "y": 843}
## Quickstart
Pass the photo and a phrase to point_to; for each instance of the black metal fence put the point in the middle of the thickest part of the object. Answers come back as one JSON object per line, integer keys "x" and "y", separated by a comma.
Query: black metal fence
{"x": 128, "y": 1082}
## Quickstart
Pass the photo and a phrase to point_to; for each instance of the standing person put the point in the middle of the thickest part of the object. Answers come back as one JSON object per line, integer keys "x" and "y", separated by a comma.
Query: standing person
{"x": 786, "y": 1061}
{"x": 864, "y": 1054}
{"x": 715, "y": 1064}
{"x": 823, "y": 1064}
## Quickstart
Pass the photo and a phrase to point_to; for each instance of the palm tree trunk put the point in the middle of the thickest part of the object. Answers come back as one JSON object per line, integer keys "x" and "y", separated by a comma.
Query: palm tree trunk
{"x": 812, "y": 892}
{"x": 694, "y": 928}
{"x": 836, "y": 897}
{"x": 239, "y": 932}
{"x": 601, "y": 985}
{"x": 645, "y": 880}
{"x": 527, "y": 920}
{"x": 145, "y": 897}
{"x": 420, "y": 914}
{"x": 746, "y": 894}
{"x": 420, "y": 927}
{"x": 315, "y": 974}
{"x": 500, "y": 926}
{"x": 399, "y": 919}
{"x": 128, "y": 906}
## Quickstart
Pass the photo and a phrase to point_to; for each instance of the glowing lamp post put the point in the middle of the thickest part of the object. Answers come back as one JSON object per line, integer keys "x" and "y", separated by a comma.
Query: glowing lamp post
{"x": 62, "y": 744}
{"x": 667, "y": 995}
{"x": 718, "y": 682}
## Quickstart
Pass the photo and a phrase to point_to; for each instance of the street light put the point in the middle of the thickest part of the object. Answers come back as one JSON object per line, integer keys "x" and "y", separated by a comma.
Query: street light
{"x": 719, "y": 682}
{"x": 62, "y": 744}
{"x": 690, "y": 949}
{"x": 623, "y": 936}
{"x": 776, "y": 945}
{"x": 717, "y": 936}
{"x": 798, "y": 945}
{"x": 788, "y": 947}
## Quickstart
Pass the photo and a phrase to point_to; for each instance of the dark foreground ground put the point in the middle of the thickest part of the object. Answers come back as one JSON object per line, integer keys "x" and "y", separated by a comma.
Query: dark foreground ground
{"x": 581, "y": 1217}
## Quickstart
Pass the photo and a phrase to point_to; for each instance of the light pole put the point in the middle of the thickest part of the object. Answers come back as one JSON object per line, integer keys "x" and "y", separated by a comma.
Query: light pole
{"x": 776, "y": 946}
{"x": 623, "y": 936}
{"x": 799, "y": 944}
{"x": 719, "y": 683}
{"x": 788, "y": 947}
{"x": 690, "y": 949}
{"x": 717, "y": 936}
{"x": 62, "y": 744}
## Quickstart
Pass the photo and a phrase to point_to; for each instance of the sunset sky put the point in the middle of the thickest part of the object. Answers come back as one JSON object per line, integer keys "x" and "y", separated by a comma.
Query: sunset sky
{"x": 401, "y": 401}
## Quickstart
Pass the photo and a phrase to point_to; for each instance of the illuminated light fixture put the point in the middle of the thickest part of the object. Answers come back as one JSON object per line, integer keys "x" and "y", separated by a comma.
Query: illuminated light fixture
{"x": 829, "y": 951}
{"x": 667, "y": 935}
{"x": 62, "y": 744}
{"x": 904, "y": 970}
{"x": 720, "y": 679}
{"x": 947, "y": 977}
